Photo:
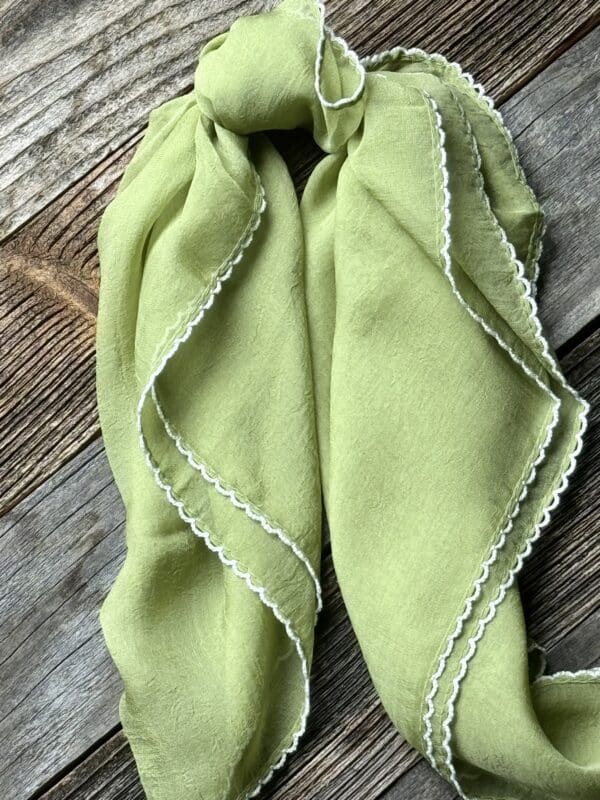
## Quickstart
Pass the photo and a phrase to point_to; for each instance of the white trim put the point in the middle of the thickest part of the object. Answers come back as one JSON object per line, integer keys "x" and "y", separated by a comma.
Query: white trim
{"x": 250, "y": 510}
{"x": 324, "y": 33}
{"x": 528, "y": 293}
{"x": 417, "y": 54}
{"x": 527, "y": 288}
{"x": 225, "y": 274}
{"x": 498, "y": 546}
{"x": 593, "y": 672}
{"x": 262, "y": 593}
{"x": 474, "y": 640}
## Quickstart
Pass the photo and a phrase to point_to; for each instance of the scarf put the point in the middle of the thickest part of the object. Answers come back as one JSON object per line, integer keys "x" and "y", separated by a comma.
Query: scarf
{"x": 375, "y": 345}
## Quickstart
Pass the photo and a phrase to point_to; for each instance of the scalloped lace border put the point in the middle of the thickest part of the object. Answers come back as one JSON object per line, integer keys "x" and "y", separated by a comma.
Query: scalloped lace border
{"x": 545, "y": 518}
{"x": 251, "y": 511}
{"x": 184, "y": 514}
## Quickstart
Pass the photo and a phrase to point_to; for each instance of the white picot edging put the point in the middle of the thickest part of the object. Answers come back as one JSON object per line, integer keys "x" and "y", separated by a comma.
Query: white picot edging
{"x": 564, "y": 674}
{"x": 545, "y": 518}
{"x": 416, "y": 54}
{"x": 149, "y": 390}
{"x": 324, "y": 33}
{"x": 251, "y": 511}
{"x": 529, "y": 288}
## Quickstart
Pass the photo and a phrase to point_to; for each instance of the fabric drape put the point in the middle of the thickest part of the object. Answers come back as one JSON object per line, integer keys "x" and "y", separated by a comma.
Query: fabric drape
{"x": 375, "y": 344}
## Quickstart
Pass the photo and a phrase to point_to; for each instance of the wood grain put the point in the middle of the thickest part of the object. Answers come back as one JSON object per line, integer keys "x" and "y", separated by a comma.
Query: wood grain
{"x": 49, "y": 271}
{"x": 112, "y": 759}
{"x": 55, "y": 674}
{"x": 59, "y": 691}
{"x": 58, "y": 556}
{"x": 420, "y": 783}
{"x": 48, "y": 300}
{"x": 565, "y": 570}
{"x": 555, "y": 122}
{"x": 78, "y": 79}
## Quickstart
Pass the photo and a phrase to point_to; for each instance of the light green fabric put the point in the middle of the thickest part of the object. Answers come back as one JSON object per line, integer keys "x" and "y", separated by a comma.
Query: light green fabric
{"x": 377, "y": 344}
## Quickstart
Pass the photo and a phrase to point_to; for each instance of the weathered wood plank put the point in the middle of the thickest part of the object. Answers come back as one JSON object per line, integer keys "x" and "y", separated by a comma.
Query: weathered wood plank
{"x": 58, "y": 556}
{"x": 49, "y": 273}
{"x": 79, "y": 78}
{"x": 49, "y": 609}
{"x": 565, "y": 569}
{"x": 419, "y": 782}
{"x": 555, "y": 121}
{"x": 113, "y": 759}
{"x": 48, "y": 299}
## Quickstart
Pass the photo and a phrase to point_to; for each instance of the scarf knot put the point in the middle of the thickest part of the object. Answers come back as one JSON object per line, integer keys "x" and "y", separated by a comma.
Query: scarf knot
{"x": 296, "y": 74}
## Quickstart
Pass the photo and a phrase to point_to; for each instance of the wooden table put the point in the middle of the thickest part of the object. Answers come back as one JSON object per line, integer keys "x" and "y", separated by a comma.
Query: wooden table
{"x": 78, "y": 79}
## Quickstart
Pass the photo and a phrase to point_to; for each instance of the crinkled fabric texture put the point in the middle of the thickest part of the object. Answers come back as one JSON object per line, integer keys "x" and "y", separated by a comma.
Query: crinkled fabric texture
{"x": 373, "y": 344}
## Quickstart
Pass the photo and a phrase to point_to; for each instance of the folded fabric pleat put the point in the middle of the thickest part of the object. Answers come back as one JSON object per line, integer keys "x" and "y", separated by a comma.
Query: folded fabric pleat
{"x": 376, "y": 345}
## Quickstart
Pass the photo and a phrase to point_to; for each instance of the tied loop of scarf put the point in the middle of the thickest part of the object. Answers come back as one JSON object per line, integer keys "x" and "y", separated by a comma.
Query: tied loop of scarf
{"x": 377, "y": 345}
{"x": 280, "y": 94}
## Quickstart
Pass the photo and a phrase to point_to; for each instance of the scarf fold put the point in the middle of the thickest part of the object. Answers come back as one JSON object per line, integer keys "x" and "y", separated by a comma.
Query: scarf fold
{"x": 377, "y": 345}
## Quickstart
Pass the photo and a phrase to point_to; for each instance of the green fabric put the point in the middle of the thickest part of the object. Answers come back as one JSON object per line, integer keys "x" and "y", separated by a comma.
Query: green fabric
{"x": 375, "y": 344}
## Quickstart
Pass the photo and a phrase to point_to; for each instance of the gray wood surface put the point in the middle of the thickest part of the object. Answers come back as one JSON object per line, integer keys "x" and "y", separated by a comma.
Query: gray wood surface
{"x": 61, "y": 549}
{"x": 78, "y": 77}
{"x": 420, "y": 783}
{"x": 49, "y": 270}
{"x": 554, "y": 120}
{"x": 58, "y": 689}
{"x": 59, "y": 553}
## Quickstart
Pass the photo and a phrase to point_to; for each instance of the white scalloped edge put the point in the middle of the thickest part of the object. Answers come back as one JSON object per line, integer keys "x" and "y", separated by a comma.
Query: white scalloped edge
{"x": 347, "y": 52}
{"x": 529, "y": 292}
{"x": 225, "y": 274}
{"x": 483, "y": 622}
{"x": 417, "y": 54}
{"x": 544, "y": 520}
{"x": 526, "y": 285}
{"x": 234, "y": 565}
{"x": 593, "y": 672}
{"x": 251, "y": 511}
{"x": 447, "y": 265}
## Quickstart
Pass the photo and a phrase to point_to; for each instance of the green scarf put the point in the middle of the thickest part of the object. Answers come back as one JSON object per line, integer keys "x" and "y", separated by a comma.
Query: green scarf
{"x": 376, "y": 344}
